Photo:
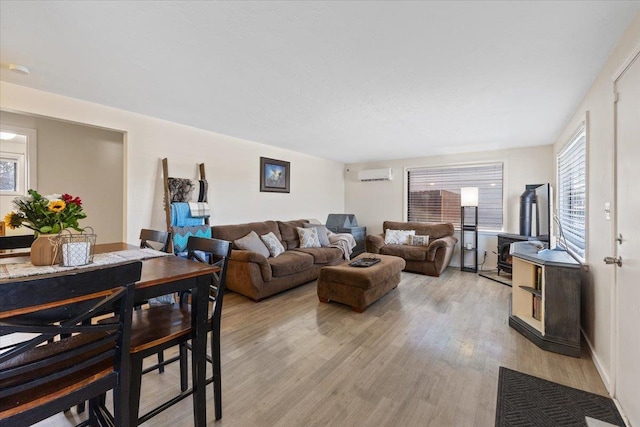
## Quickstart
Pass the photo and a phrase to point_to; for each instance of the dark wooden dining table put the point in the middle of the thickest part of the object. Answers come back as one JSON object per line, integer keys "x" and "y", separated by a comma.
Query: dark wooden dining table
{"x": 160, "y": 276}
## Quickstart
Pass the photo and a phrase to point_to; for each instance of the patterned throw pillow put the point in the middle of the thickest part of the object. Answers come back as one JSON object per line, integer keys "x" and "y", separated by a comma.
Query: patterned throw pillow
{"x": 252, "y": 242}
{"x": 308, "y": 237}
{"x": 419, "y": 240}
{"x": 273, "y": 244}
{"x": 398, "y": 237}
{"x": 323, "y": 233}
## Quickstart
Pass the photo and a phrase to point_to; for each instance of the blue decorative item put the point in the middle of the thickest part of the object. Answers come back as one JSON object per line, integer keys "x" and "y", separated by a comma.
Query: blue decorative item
{"x": 181, "y": 216}
{"x": 181, "y": 235}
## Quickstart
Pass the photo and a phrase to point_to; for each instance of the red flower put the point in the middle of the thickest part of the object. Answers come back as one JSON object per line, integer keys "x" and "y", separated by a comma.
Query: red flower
{"x": 70, "y": 199}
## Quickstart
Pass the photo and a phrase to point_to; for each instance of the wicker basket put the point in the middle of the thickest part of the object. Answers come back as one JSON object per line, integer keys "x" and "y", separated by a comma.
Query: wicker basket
{"x": 76, "y": 249}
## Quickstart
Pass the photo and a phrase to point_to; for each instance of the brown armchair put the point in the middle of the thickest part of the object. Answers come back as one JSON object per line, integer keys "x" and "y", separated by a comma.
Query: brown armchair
{"x": 430, "y": 260}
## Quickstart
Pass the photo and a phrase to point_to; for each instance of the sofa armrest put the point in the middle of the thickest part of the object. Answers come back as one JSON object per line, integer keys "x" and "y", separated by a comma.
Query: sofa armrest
{"x": 374, "y": 242}
{"x": 443, "y": 242}
{"x": 253, "y": 257}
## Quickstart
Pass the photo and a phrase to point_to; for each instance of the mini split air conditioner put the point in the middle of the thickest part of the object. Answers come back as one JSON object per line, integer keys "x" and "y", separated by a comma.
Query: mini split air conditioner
{"x": 376, "y": 175}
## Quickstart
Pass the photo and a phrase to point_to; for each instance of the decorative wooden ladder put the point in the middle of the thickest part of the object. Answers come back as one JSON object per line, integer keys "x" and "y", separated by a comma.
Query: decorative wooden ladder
{"x": 167, "y": 202}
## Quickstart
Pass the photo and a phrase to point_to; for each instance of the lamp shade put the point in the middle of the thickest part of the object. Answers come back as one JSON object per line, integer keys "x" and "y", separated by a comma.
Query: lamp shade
{"x": 469, "y": 196}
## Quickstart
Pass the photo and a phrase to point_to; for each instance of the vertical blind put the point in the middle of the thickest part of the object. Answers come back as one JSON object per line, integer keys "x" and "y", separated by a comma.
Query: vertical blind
{"x": 572, "y": 192}
{"x": 433, "y": 193}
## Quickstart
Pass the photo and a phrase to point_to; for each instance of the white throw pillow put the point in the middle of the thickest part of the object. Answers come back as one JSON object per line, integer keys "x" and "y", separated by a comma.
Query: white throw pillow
{"x": 252, "y": 242}
{"x": 309, "y": 237}
{"x": 398, "y": 237}
{"x": 419, "y": 240}
{"x": 272, "y": 243}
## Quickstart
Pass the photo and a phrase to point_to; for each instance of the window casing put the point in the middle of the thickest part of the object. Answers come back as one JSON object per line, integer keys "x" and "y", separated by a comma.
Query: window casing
{"x": 572, "y": 193}
{"x": 433, "y": 193}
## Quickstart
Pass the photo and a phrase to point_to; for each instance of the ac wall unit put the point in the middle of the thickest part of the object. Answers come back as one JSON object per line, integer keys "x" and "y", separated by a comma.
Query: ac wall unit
{"x": 376, "y": 175}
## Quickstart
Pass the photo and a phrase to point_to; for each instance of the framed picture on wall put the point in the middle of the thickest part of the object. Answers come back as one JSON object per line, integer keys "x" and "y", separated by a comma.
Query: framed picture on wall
{"x": 274, "y": 175}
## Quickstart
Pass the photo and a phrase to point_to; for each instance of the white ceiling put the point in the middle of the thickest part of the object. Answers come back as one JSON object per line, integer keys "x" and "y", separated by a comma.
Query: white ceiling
{"x": 350, "y": 81}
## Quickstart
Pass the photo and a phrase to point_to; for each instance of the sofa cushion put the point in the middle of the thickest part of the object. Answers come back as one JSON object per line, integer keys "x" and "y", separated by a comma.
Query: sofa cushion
{"x": 434, "y": 230}
{"x": 322, "y": 255}
{"x": 409, "y": 253}
{"x": 252, "y": 242}
{"x": 398, "y": 237}
{"x": 323, "y": 233}
{"x": 290, "y": 262}
{"x": 289, "y": 234}
{"x": 419, "y": 240}
{"x": 236, "y": 231}
{"x": 308, "y": 237}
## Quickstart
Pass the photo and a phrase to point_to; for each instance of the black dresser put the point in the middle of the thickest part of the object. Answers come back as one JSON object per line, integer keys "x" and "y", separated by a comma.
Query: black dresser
{"x": 347, "y": 223}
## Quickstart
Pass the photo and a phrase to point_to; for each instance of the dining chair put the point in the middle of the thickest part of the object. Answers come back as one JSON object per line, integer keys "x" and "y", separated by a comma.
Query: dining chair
{"x": 16, "y": 242}
{"x": 40, "y": 377}
{"x": 161, "y": 238}
{"x": 161, "y": 327}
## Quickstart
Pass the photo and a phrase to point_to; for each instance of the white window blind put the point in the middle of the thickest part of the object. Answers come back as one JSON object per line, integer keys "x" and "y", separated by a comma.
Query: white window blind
{"x": 434, "y": 193}
{"x": 572, "y": 192}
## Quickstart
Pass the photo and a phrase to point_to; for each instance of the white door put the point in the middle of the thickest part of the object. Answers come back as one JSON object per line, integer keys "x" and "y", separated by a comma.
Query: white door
{"x": 627, "y": 388}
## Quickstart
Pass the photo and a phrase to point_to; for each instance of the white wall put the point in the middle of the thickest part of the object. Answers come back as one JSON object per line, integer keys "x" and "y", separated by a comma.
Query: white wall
{"x": 597, "y": 291}
{"x": 83, "y": 161}
{"x": 378, "y": 201}
{"x": 232, "y": 165}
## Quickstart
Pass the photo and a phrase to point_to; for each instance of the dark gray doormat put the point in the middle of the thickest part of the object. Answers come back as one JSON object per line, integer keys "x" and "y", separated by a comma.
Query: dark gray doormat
{"x": 524, "y": 400}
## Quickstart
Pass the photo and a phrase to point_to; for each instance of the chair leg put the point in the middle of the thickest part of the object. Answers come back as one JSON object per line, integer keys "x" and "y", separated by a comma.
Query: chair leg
{"x": 134, "y": 390}
{"x": 184, "y": 368}
{"x": 161, "y": 361}
{"x": 93, "y": 411}
{"x": 217, "y": 373}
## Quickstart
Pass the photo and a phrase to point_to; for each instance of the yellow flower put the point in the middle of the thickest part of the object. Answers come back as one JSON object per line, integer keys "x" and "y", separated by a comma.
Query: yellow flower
{"x": 57, "y": 205}
{"x": 12, "y": 220}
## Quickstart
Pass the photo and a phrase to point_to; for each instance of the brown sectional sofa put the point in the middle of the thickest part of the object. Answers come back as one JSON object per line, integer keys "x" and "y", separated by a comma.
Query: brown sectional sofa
{"x": 257, "y": 277}
{"x": 430, "y": 260}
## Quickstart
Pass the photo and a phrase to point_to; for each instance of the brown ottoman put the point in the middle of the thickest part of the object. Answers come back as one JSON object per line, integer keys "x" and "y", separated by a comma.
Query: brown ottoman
{"x": 360, "y": 286}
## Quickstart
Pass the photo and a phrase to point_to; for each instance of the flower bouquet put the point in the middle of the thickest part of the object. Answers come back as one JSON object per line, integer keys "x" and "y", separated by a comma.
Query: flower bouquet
{"x": 47, "y": 216}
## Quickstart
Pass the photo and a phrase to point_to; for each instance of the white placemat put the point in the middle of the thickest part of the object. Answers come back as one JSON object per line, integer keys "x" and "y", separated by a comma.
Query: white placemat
{"x": 23, "y": 269}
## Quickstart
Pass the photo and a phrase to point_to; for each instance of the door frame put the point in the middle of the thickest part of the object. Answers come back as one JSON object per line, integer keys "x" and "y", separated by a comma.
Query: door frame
{"x": 614, "y": 344}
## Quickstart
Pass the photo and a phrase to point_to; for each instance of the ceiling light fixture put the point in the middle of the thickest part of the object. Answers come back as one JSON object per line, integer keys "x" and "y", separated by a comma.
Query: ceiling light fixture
{"x": 16, "y": 68}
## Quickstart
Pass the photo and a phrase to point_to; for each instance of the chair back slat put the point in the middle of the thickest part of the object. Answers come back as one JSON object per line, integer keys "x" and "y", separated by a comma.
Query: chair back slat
{"x": 162, "y": 238}
{"x": 217, "y": 253}
{"x": 39, "y": 375}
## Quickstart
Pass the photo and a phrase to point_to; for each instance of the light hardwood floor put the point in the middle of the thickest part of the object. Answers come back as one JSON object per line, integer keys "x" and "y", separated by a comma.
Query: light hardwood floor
{"x": 426, "y": 354}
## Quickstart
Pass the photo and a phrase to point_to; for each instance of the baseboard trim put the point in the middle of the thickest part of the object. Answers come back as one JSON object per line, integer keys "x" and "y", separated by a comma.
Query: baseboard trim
{"x": 622, "y": 414}
{"x": 604, "y": 375}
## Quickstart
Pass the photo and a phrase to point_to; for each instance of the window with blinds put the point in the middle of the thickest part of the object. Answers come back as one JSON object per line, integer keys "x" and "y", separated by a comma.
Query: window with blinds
{"x": 433, "y": 193}
{"x": 572, "y": 193}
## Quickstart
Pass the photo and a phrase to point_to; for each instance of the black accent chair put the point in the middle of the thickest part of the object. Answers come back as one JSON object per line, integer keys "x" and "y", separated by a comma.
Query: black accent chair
{"x": 161, "y": 327}
{"x": 39, "y": 377}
